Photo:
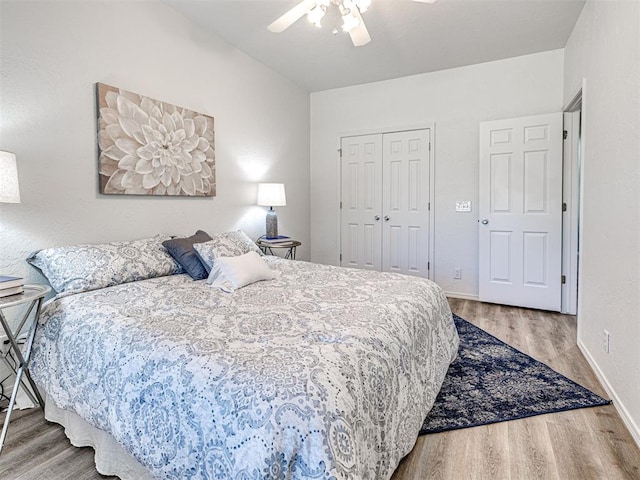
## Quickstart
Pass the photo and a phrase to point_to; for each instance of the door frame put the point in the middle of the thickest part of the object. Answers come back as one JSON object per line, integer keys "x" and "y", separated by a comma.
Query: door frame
{"x": 380, "y": 131}
{"x": 570, "y": 221}
{"x": 575, "y": 229}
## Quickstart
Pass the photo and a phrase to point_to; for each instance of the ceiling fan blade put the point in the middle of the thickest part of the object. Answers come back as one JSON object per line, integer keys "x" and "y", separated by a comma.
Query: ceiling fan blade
{"x": 424, "y": 1}
{"x": 292, "y": 16}
{"x": 359, "y": 35}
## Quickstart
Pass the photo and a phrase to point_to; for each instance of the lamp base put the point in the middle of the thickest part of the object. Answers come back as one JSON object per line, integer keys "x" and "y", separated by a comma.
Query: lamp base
{"x": 272, "y": 224}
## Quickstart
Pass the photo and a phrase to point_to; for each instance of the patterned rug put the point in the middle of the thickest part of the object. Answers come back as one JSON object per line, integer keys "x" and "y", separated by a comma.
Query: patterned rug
{"x": 491, "y": 382}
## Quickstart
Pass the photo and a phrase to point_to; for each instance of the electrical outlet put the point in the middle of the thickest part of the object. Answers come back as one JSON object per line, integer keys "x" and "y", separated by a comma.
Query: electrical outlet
{"x": 457, "y": 273}
{"x": 607, "y": 342}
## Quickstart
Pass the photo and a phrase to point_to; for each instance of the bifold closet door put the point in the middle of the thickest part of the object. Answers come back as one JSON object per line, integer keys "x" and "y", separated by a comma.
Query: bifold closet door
{"x": 405, "y": 202}
{"x": 385, "y": 202}
{"x": 361, "y": 225}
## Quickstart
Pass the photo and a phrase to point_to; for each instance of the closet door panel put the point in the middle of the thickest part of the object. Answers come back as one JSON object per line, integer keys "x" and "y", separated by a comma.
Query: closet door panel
{"x": 405, "y": 200}
{"x": 361, "y": 194}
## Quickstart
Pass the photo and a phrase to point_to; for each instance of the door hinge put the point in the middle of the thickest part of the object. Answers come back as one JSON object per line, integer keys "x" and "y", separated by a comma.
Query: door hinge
{"x": 429, "y": 146}
{"x": 564, "y": 279}
{"x": 564, "y": 207}
{"x": 429, "y": 206}
{"x": 340, "y": 258}
{"x": 428, "y": 265}
{"x": 340, "y": 205}
{"x": 340, "y": 152}
{"x": 564, "y": 134}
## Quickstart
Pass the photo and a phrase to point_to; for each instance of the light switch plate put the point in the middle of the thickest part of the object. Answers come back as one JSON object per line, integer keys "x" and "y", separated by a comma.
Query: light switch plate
{"x": 463, "y": 206}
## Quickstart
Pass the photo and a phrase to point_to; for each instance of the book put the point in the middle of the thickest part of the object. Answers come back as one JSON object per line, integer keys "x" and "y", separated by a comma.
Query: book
{"x": 6, "y": 292}
{"x": 278, "y": 239}
{"x": 10, "y": 282}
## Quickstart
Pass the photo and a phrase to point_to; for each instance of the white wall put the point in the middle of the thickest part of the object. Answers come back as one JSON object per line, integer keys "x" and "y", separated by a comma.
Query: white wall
{"x": 53, "y": 53}
{"x": 456, "y": 100}
{"x": 604, "y": 49}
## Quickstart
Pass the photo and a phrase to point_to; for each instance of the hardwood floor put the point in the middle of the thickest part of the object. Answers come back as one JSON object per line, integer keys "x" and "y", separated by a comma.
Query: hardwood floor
{"x": 585, "y": 444}
{"x": 582, "y": 444}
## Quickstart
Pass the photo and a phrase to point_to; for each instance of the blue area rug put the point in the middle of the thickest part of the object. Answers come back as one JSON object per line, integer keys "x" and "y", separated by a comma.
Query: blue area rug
{"x": 492, "y": 382}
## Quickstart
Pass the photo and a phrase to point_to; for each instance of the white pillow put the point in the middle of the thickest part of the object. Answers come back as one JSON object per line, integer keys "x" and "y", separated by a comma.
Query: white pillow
{"x": 230, "y": 273}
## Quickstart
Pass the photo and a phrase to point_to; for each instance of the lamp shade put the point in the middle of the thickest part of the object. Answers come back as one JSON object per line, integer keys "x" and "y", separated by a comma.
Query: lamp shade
{"x": 9, "y": 189}
{"x": 271, "y": 195}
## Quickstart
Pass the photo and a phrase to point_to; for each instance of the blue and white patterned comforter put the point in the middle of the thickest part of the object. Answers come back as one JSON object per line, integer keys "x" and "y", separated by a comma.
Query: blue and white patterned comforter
{"x": 322, "y": 373}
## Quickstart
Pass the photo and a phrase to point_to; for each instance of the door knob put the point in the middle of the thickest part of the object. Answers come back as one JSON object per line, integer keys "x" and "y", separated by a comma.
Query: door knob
{"x": 386, "y": 218}
{"x": 484, "y": 221}
{"x": 376, "y": 218}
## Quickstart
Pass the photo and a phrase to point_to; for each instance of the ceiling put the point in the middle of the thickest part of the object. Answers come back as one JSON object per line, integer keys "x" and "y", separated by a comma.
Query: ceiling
{"x": 407, "y": 37}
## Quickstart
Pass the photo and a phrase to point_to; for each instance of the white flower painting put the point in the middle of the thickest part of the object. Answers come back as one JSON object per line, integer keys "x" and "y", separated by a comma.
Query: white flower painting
{"x": 149, "y": 147}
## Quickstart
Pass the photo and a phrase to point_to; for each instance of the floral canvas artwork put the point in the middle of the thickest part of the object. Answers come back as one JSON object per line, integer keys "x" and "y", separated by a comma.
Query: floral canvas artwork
{"x": 149, "y": 147}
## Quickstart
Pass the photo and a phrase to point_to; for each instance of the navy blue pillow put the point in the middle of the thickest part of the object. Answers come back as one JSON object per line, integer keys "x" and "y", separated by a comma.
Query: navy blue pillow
{"x": 181, "y": 249}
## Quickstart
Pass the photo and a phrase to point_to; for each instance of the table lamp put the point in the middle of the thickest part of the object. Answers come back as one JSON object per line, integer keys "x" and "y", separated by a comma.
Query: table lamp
{"x": 271, "y": 195}
{"x": 9, "y": 189}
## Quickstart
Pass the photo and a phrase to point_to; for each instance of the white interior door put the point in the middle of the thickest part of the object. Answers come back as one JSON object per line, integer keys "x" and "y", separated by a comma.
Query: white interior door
{"x": 405, "y": 198}
{"x": 361, "y": 232}
{"x": 520, "y": 229}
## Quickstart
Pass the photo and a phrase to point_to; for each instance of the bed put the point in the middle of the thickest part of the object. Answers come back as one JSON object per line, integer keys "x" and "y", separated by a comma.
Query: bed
{"x": 323, "y": 372}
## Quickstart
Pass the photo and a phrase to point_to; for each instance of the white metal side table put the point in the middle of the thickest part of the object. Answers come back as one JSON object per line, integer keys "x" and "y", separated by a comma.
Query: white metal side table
{"x": 289, "y": 246}
{"x": 24, "y": 331}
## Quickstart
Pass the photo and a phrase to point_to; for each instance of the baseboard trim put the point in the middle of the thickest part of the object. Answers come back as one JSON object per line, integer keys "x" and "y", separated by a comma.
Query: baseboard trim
{"x": 463, "y": 296}
{"x": 620, "y": 408}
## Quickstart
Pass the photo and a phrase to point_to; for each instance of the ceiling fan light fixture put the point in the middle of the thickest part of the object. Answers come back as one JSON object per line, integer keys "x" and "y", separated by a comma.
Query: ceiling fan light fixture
{"x": 316, "y": 14}
{"x": 349, "y": 22}
{"x": 349, "y": 10}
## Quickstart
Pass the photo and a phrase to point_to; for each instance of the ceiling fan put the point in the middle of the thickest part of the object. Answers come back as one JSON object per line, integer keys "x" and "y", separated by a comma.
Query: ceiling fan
{"x": 350, "y": 10}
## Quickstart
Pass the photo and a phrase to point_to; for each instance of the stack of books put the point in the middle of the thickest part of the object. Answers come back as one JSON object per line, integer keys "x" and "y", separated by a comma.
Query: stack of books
{"x": 11, "y": 286}
{"x": 274, "y": 240}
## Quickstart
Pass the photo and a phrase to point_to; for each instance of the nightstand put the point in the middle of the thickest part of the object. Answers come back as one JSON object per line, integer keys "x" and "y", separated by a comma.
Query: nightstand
{"x": 23, "y": 333}
{"x": 290, "y": 247}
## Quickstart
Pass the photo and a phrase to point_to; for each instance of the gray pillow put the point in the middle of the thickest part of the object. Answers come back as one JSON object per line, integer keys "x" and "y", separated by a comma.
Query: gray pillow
{"x": 228, "y": 244}
{"x": 181, "y": 249}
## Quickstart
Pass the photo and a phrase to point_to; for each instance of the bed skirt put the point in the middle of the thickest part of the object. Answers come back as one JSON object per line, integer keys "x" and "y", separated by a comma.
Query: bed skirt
{"x": 110, "y": 457}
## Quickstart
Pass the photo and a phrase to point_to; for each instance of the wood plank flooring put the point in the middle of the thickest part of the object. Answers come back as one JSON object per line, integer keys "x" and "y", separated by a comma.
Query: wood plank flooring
{"x": 585, "y": 444}
{"x": 581, "y": 444}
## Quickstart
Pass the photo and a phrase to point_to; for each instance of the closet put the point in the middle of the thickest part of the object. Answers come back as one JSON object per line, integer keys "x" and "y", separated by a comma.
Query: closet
{"x": 385, "y": 202}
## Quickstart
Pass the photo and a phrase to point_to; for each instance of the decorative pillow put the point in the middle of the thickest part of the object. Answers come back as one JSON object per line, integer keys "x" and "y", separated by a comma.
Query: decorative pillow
{"x": 230, "y": 273}
{"x": 229, "y": 244}
{"x": 81, "y": 268}
{"x": 181, "y": 249}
